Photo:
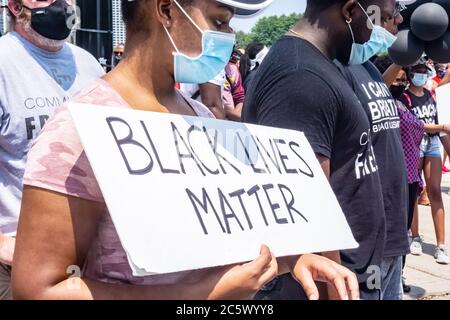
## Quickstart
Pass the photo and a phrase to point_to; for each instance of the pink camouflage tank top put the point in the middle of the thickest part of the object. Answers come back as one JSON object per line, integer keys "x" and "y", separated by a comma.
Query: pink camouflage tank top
{"x": 57, "y": 162}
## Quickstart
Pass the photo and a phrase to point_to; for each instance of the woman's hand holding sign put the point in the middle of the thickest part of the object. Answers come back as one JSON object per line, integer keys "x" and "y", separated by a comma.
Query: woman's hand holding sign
{"x": 310, "y": 267}
{"x": 244, "y": 281}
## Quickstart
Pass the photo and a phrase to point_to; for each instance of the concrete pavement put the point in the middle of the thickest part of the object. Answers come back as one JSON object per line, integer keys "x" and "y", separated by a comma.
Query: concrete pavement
{"x": 429, "y": 280}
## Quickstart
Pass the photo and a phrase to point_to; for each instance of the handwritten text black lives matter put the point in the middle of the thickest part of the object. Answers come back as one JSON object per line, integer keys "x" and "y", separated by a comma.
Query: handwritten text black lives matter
{"x": 276, "y": 202}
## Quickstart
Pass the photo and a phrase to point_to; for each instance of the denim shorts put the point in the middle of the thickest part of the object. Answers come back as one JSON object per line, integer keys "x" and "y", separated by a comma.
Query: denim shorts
{"x": 430, "y": 147}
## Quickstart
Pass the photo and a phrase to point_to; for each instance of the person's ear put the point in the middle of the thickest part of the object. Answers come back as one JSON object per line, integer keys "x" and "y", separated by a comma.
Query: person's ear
{"x": 163, "y": 12}
{"x": 348, "y": 10}
{"x": 15, "y": 7}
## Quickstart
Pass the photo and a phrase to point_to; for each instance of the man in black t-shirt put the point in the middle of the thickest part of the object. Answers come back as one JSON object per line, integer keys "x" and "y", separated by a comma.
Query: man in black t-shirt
{"x": 299, "y": 87}
{"x": 381, "y": 109}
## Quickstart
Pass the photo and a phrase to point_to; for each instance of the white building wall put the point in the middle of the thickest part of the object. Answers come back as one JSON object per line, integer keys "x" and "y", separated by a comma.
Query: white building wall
{"x": 119, "y": 32}
{"x": 3, "y": 18}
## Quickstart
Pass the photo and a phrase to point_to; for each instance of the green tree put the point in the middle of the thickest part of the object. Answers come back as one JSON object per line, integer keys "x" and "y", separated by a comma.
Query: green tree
{"x": 269, "y": 29}
{"x": 243, "y": 39}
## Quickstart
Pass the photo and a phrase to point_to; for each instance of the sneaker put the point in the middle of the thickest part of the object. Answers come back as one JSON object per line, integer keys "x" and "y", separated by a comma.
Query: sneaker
{"x": 441, "y": 255}
{"x": 416, "y": 246}
{"x": 406, "y": 288}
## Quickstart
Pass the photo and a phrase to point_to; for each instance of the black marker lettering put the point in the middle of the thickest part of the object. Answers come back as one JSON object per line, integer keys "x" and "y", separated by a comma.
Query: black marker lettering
{"x": 290, "y": 204}
{"x": 273, "y": 206}
{"x": 182, "y": 156}
{"x": 128, "y": 140}
{"x": 163, "y": 170}
{"x": 204, "y": 205}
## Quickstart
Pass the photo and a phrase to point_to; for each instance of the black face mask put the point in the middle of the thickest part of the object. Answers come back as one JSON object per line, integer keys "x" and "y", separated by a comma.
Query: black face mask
{"x": 116, "y": 60}
{"x": 51, "y": 22}
{"x": 397, "y": 90}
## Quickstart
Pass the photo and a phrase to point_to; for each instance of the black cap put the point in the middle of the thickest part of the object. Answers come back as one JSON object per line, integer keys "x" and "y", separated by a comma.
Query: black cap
{"x": 422, "y": 62}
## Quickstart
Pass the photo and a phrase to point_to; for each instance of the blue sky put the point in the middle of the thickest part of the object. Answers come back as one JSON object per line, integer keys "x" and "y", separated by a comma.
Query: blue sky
{"x": 278, "y": 7}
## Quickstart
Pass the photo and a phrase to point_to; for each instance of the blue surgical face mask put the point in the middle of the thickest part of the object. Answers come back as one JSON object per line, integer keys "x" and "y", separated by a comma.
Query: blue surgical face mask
{"x": 217, "y": 48}
{"x": 380, "y": 41}
{"x": 419, "y": 79}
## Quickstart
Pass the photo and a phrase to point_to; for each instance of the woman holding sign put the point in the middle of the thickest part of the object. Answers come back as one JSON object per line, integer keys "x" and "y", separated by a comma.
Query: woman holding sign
{"x": 65, "y": 228}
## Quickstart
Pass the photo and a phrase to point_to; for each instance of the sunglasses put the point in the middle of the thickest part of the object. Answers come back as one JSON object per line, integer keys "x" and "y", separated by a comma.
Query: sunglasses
{"x": 69, "y": 2}
{"x": 399, "y": 7}
{"x": 401, "y": 81}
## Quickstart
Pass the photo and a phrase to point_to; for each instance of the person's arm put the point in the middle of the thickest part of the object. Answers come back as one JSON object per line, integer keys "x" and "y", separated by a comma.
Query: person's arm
{"x": 212, "y": 98}
{"x": 445, "y": 140}
{"x": 437, "y": 128}
{"x": 390, "y": 75}
{"x": 325, "y": 164}
{"x": 235, "y": 114}
{"x": 56, "y": 232}
{"x": 7, "y": 245}
{"x": 445, "y": 80}
{"x": 329, "y": 291}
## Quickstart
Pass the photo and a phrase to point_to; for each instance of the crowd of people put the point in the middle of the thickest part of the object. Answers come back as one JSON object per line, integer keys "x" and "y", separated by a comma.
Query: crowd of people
{"x": 372, "y": 124}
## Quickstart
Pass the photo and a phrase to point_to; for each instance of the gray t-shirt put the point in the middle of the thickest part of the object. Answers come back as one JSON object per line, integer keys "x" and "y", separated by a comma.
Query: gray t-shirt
{"x": 33, "y": 83}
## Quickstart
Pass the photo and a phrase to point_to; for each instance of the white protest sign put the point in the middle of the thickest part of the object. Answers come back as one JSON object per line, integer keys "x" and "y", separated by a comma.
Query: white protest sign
{"x": 443, "y": 103}
{"x": 188, "y": 193}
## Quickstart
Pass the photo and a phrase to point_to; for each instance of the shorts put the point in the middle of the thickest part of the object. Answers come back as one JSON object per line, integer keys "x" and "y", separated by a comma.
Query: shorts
{"x": 5, "y": 282}
{"x": 430, "y": 147}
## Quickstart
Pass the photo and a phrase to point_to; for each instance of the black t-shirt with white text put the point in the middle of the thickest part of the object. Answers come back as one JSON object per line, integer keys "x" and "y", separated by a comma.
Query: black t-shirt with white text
{"x": 381, "y": 109}
{"x": 424, "y": 107}
{"x": 297, "y": 87}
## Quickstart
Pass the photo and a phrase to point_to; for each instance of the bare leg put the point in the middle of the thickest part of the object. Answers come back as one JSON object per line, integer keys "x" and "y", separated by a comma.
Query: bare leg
{"x": 433, "y": 178}
{"x": 415, "y": 221}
